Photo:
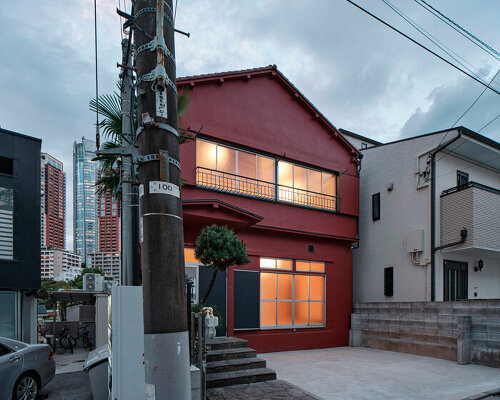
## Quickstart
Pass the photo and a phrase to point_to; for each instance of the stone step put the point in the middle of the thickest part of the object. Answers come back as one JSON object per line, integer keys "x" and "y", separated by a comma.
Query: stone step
{"x": 240, "y": 377}
{"x": 220, "y": 343}
{"x": 230, "y": 354}
{"x": 235, "y": 364}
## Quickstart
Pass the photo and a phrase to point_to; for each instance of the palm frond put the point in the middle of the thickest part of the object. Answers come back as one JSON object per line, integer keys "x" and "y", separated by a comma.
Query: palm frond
{"x": 109, "y": 181}
{"x": 109, "y": 107}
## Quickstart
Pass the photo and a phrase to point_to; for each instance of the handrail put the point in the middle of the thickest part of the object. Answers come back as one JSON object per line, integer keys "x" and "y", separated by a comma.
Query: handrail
{"x": 468, "y": 185}
{"x": 271, "y": 191}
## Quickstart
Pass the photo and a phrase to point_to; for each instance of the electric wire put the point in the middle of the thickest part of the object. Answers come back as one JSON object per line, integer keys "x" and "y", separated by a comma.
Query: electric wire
{"x": 468, "y": 109}
{"x": 422, "y": 46}
{"x": 96, "y": 79}
{"x": 175, "y": 10}
{"x": 464, "y": 32}
{"x": 493, "y": 120}
{"x": 433, "y": 39}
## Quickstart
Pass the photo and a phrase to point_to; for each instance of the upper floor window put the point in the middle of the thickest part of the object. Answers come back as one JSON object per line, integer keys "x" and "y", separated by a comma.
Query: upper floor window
{"x": 364, "y": 145}
{"x": 306, "y": 186}
{"x": 376, "y": 206}
{"x": 6, "y": 208}
{"x": 223, "y": 168}
{"x": 462, "y": 178}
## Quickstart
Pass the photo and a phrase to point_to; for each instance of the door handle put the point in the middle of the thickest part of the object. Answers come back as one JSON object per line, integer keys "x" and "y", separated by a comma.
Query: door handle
{"x": 16, "y": 358}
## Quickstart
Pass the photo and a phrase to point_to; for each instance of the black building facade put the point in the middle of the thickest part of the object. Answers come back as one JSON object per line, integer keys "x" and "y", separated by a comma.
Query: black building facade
{"x": 19, "y": 234}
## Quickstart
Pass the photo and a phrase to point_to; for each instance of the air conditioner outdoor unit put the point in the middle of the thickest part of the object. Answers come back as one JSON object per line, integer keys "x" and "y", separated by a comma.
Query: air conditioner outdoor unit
{"x": 93, "y": 282}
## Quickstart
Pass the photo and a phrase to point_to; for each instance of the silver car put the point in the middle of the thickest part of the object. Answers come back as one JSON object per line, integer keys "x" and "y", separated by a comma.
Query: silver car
{"x": 24, "y": 369}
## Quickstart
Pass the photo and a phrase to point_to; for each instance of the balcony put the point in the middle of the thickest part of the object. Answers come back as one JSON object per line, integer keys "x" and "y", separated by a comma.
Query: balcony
{"x": 475, "y": 207}
{"x": 248, "y": 187}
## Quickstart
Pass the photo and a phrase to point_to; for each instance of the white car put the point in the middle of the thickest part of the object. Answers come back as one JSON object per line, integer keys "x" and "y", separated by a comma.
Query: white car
{"x": 24, "y": 369}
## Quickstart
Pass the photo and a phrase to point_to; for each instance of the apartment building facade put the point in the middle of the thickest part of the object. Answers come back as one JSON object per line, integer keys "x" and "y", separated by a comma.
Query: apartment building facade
{"x": 429, "y": 223}
{"x": 60, "y": 264}
{"x": 53, "y": 202}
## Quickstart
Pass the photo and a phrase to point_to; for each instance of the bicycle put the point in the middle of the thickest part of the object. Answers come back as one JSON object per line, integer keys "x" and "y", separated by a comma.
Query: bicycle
{"x": 67, "y": 341}
{"x": 87, "y": 344}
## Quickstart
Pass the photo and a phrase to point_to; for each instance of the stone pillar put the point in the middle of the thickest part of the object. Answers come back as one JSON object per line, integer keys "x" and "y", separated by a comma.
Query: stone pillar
{"x": 464, "y": 342}
{"x": 355, "y": 335}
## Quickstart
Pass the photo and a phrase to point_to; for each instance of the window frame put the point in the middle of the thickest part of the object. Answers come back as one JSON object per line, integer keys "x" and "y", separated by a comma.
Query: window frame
{"x": 376, "y": 206}
{"x": 462, "y": 174}
{"x": 293, "y": 272}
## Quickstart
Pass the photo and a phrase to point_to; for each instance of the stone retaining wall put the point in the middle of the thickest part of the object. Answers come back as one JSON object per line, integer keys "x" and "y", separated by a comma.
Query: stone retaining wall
{"x": 463, "y": 331}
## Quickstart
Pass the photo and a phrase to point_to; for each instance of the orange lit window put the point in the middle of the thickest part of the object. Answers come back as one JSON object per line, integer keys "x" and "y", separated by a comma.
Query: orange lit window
{"x": 312, "y": 266}
{"x": 276, "y": 263}
{"x": 189, "y": 256}
{"x": 224, "y": 168}
{"x": 291, "y": 300}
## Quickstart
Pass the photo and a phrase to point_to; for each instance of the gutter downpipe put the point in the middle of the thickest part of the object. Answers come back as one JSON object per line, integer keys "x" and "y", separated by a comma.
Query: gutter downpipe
{"x": 433, "y": 211}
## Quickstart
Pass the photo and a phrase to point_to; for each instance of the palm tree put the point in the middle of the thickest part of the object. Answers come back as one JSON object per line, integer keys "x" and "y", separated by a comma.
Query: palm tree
{"x": 109, "y": 107}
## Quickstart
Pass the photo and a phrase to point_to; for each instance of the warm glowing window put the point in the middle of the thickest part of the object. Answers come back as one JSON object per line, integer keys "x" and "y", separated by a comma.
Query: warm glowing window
{"x": 275, "y": 263}
{"x": 312, "y": 266}
{"x": 306, "y": 186}
{"x": 291, "y": 300}
{"x": 228, "y": 169}
{"x": 189, "y": 256}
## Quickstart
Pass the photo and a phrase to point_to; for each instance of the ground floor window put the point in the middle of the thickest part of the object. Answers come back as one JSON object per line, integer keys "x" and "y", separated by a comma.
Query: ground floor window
{"x": 291, "y": 300}
{"x": 8, "y": 314}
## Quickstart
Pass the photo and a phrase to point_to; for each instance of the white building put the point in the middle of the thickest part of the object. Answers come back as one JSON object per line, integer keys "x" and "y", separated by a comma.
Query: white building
{"x": 60, "y": 264}
{"x": 416, "y": 197}
{"x": 358, "y": 141}
{"x": 110, "y": 263}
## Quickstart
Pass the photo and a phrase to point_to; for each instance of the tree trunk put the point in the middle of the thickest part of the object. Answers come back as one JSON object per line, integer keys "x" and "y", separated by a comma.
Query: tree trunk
{"x": 209, "y": 289}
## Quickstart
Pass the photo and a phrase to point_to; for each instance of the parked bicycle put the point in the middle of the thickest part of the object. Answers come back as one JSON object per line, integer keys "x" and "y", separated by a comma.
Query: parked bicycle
{"x": 87, "y": 343}
{"x": 67, "y": 341}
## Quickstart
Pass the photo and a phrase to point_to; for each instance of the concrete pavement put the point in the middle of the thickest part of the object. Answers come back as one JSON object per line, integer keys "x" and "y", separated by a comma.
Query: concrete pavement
{"x": 357, "y": 373}
{"x": 69, "y": 386}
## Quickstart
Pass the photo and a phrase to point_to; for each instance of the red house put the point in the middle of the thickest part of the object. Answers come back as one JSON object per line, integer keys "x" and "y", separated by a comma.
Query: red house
{"x": 269, "y": 165}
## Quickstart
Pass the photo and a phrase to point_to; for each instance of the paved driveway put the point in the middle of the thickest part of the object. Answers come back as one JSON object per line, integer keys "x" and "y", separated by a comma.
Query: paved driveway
{"x": 357, "y": 373}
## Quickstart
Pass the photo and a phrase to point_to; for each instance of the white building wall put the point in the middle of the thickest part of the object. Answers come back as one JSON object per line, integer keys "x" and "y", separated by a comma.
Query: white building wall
{"x": 483, "y": 284}
{"x": 404, "y": 209}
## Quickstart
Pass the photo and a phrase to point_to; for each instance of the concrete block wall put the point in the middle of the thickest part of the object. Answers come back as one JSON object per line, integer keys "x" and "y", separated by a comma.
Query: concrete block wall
{"x": 463, "y": 331}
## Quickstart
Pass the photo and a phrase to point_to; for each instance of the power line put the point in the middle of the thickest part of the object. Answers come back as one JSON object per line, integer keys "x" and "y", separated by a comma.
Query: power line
{"x": 422, "y": 46}
{"x": 468, "y": 109}
{"x": 96, "y": 80}
{"x": 465, "y": 33}
{"x": 432, "y": 38}
{"x": 493, "y": 120}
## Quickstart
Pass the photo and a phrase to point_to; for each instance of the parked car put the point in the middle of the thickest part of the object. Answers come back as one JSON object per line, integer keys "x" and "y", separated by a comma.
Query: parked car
{"x": 24, "y": 369}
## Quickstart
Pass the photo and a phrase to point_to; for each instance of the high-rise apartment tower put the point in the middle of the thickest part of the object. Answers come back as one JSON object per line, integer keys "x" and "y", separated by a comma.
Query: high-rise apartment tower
{"x": 85, "y": 223}
{"x": 53, "y": 203}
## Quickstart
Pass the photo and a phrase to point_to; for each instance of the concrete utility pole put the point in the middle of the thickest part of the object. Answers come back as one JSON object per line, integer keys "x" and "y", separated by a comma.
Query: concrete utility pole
{"x": 166, "y": 343}
{"x": 129, "y": 203}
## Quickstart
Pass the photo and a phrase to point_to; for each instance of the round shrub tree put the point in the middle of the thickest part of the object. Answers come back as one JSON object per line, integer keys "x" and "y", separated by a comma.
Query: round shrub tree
{"x": 217, "y": 247}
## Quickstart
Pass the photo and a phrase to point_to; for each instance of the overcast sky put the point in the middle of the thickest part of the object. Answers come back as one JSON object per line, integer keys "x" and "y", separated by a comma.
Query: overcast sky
{"x": 362, "y": 76}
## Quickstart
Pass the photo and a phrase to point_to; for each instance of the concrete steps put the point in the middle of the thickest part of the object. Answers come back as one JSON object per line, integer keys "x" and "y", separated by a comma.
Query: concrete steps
{"x": 231, "y": 362}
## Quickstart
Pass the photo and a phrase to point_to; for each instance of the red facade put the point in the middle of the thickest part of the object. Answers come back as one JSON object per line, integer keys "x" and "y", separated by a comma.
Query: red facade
{"x": 54, "y": 202}
{"x": 109, "y": 222}
{"x": 302, "y": 206}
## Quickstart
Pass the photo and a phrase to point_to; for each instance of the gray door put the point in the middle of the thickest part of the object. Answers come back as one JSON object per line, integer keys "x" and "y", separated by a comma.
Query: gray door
{"x": 11, "y": 364}
{"x": 217, "y": 297}
{"x": 455, "y": 280}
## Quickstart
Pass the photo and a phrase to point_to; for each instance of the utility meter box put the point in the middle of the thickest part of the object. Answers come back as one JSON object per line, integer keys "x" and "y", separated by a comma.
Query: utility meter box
{"x": 415, "y": 241}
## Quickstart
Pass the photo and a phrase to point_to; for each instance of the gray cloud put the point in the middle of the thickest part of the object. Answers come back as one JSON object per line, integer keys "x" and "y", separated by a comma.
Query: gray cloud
{"x": 362, "y": 76}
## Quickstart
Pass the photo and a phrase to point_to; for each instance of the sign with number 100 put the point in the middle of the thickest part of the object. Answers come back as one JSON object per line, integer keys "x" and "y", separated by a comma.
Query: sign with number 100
{"x": 161, "y": 187}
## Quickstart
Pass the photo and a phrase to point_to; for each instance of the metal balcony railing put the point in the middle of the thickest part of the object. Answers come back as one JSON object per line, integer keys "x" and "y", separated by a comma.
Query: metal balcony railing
{"x": 469, "y": 185}
{"x": 270, "y": 191}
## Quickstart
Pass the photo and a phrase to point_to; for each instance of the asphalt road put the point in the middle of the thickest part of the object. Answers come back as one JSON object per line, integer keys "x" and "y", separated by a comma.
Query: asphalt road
{"x": 70, "y": 386}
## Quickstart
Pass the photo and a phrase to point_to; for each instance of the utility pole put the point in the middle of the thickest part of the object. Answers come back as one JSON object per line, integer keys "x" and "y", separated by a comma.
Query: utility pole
{"x": 166, "y": 342}
{"x": 129, "y": 204}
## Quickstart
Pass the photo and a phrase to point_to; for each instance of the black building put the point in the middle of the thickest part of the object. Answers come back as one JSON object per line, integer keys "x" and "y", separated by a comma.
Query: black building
{"x": 19, "y": 234}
